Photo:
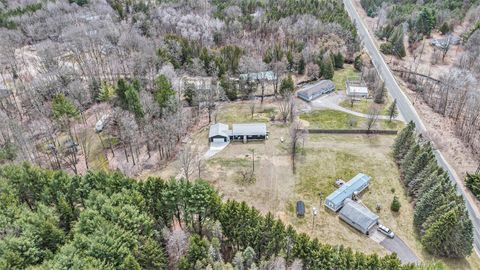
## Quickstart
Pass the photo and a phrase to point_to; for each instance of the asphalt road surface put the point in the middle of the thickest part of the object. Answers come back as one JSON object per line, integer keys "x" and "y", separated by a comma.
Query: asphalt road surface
{"x": 407, "y": 110}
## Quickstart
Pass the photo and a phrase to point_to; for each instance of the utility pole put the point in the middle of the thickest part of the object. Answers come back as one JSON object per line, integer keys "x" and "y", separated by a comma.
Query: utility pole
{"x": 314, "y": 211}
{"x": 320, "y": 201}
{"x": 253, "y": 160}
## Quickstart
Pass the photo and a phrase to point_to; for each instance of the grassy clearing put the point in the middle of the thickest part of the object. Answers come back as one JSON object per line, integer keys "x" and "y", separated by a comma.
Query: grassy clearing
{"x": 331, "y": 119}
{"x": 240, "y": 113}
{"x": 328, "y": 159}
{"x": 340, "y": 76}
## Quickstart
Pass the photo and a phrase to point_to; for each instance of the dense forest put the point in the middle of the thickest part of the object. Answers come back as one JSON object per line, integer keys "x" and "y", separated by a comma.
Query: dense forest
{"x": 51, "y": 220}
{"x": 440, "y": 214}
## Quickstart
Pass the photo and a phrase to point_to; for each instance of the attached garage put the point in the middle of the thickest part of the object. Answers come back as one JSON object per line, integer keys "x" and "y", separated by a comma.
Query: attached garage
{"x": 358, "y": 216}
{"x": 219, "y": 133}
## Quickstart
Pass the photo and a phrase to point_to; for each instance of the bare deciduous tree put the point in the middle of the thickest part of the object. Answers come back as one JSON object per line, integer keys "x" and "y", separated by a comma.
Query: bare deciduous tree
{"x": 188, "y": 158}
{"x": 373, "y": 113}
{"x": 297, "y": 134}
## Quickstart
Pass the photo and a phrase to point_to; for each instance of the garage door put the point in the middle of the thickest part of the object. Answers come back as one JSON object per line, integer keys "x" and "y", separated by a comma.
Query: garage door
{"x": 218, "y": 140}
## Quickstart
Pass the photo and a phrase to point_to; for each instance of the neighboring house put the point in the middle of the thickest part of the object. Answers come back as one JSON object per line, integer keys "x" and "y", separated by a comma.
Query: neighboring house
{"x": 357, "y": 184}
{"x": 313, "y": 91}
{"x": 356, "y": 88}
{"x": 259, "y": 76}
{"x": 358, "y": 216}
{"x": 219, "y": 133}
{"x": 443, "y": 43}
{"x": 240, "y": 132}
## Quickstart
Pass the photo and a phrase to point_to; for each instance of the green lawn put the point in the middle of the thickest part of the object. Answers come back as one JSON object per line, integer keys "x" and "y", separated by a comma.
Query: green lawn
{"x": 240, "y": 113}
{"x": 340, "y": 76}
{"x": 331, "y": 119}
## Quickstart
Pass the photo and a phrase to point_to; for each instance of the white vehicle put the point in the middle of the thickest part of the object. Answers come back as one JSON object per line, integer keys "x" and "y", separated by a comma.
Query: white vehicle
{"x": 101, "y": 123}
{"x": 385, "y": 230}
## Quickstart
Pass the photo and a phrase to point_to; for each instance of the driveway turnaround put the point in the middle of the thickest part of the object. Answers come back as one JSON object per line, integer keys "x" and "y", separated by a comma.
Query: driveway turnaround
{"x": 404, "y": 253}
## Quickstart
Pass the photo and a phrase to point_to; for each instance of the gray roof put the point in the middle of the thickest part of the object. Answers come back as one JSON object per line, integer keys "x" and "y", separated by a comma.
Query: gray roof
{"x": 357, "y": 214}
{"x": 357, "y": 183}
{"x": 249, "y": 129}
{"x": 265, "y": 75}
{"x": 218, "y": 129}
{"x": 321, "y": 86}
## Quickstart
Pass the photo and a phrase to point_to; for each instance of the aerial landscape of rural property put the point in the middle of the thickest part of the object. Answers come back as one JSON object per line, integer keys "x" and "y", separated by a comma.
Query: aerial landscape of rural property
{"x": 239, "y": 134}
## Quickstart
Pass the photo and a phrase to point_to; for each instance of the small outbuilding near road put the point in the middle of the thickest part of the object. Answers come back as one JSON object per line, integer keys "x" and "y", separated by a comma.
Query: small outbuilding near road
{"x": 356, "y": 88}
{"x": 313, "y": 91}
{"x": 358, "y": 216}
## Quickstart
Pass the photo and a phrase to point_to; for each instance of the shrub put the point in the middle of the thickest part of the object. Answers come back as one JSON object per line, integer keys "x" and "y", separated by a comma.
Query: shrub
{"x": 395, "y": 206}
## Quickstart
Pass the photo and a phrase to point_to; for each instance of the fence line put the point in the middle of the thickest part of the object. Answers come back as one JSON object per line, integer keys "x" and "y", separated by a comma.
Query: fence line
{"x": 352, "y": 131}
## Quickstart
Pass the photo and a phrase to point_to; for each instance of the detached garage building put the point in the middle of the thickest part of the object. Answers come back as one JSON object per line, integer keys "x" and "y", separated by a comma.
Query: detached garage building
{"x": 358, "y": 216}
{"x": 313, "y": 91}
{"x": 356, "y": 88}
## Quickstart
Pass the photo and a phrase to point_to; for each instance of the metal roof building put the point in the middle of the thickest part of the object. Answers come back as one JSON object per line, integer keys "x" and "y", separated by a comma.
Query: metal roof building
{"x": 243, "y": 132}
{"x": 356, "y": 88}
{"x": 259, "y": 129}
{"x": 219, "y": 133}
{"x": 358, "y": 216}
{"x": 313, "y": 91}
{"x": 357, "y": 184}
{"x": 259, "y": 76}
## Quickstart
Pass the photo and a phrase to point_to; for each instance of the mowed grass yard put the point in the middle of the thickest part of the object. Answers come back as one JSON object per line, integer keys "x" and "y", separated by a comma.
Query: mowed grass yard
{"x": 331, "y": 119}
{"x": 328, "y": 157}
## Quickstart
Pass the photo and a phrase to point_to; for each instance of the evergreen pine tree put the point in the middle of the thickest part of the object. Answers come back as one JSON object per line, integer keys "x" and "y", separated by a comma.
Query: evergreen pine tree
{"x": 393, "y": 110}
{"x": 403, "y": 141}
{"x": 339, "y": 59}
{"x": 427, "y": 203}
{"x": 120, "y": 91}
{"x": 328, "y": 70}
{"x": 410, "y": 158}
{"x": 106, "y": 92}
{"x": 301, "y": 66}
{"x": 133, "y": 102}
{"x": 450, "y": 235}
{"x": 420, "y": 162}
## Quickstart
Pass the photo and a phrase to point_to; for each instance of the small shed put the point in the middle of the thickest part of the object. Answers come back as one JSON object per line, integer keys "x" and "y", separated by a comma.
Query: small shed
{"x": 313, "y": 91}
{"x": 357, "y": 184}
{"x": 356, "y": 88}
{"x": 247, "y": 132}
{"x": 358, "y": 216}
{"x": 219, "y": 133}
{"x": 300, "y": 209}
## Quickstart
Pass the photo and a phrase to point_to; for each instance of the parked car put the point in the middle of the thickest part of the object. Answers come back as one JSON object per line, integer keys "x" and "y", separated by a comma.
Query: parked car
{"x": 300, "y": 209}
{"x": 385, "y": 230}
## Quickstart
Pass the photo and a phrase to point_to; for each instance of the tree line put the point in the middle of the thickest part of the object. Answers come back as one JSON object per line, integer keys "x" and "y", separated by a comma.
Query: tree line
{"x": 104, "y": 220}
{"x": 440, "y": 215}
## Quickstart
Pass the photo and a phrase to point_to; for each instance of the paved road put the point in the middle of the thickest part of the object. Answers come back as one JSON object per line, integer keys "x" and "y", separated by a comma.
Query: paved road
{"x": 408, "y": 111}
